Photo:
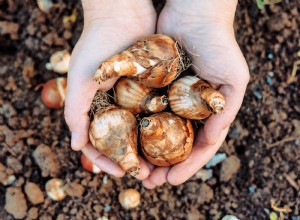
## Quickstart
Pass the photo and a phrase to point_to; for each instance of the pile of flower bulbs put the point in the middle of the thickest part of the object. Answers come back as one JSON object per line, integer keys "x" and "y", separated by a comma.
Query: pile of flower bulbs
{"x": 165, "y": 137}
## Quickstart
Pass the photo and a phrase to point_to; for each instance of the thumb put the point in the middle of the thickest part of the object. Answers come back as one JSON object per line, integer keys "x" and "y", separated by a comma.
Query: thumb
{"x": 218, "y": 123}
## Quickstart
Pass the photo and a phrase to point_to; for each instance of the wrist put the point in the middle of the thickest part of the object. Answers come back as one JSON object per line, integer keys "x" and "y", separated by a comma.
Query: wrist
{"x": 212, "y": 11}
{"x": 119, "y": 9}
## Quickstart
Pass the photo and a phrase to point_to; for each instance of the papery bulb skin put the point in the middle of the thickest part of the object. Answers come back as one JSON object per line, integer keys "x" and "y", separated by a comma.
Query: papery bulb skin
{"x": 193, "y": 98}
{"x": 154, "y": 61}
{"x": 113, "y": 132}
{"x": 166, "y": 139}
{"x": 138, "y": 98}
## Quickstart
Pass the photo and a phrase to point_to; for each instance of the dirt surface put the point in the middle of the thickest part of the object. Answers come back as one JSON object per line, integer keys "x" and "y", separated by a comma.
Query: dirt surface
{"x": 261, "y": 174}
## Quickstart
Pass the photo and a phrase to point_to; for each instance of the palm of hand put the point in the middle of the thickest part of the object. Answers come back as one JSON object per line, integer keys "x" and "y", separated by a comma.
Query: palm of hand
{"x": 217, "y": 59}
{"x": 102, "y": 37}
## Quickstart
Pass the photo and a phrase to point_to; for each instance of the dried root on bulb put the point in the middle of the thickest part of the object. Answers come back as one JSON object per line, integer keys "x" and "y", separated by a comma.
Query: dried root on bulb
{"x": 193, "y": 98}
{"x": 113, "y": 132}
{"x": 137, "y": 98}
{"x": 166, "y": 139}
{"x": 155, "y": 61}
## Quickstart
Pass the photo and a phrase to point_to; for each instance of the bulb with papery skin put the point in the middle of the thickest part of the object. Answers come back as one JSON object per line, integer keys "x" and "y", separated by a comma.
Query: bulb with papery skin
{"x": 193, "y": 98}
{"x": 155, "y": 61}
{"x": 88, "y": 165}
{"x": 113, "y": 131}
{"x": 138, "y": 98}
{"x": 166, "y": 139}
{"x": 54, "y": 92}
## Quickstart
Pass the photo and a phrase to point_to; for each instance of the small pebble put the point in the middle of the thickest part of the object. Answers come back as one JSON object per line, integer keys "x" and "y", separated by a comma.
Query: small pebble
{"x": 271, "y": 73}
{"x": 270, "y": 56}
{"x": 251, "y": 189}
{"x": 107, "y": 208}
{"x": 15, "y": 202}
{"x": 105, "y": 179}
{"x": 218, "y": 158}
{"x": 34, "y": 193}
{"x": 204, "y": 174}
{"x": 269, "y": 80}
{"x": 229, "y": 217}
{"x": 273, "y": 216}
{"x": 229, "y": 168}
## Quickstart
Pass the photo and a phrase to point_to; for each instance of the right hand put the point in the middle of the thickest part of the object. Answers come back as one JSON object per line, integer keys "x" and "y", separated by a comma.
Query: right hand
{"x": 108, "y": 29}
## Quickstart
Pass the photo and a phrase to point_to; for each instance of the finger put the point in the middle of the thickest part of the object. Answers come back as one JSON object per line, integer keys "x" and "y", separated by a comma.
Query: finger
{"x": 148, "y": 184}
{"x": 144, "y": 171}
{"x": 159, "y": 175}
{"x": 101, "y": 161}
{"x": 215, "y": 124}
{"x": 201, "y": 153}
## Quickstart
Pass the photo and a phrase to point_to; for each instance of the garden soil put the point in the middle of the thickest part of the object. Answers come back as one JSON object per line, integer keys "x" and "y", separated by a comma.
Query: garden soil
{"x": 261, "y": 174}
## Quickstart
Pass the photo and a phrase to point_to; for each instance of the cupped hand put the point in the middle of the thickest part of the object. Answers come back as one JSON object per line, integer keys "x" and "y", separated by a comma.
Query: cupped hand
{"x": 205, "y": 29}
{"x": 108, "y": 29}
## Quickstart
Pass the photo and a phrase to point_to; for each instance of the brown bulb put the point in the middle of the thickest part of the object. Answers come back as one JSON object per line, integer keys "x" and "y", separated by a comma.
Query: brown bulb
{"x": 138, "y": 98}
{"x": 54, "y": 92}
{"x": 166, "y": 139}
{"x": 154, "y": 61}
{"x": 193, "y": 98}
{"x": 113, "y": 132}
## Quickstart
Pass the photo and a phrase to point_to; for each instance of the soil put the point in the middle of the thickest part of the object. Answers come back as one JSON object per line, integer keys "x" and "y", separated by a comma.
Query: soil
{"x": 262, "y": 171}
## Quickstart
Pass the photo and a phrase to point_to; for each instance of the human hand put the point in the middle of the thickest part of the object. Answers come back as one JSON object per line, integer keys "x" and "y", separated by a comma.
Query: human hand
{"x": 205, "y": 29}
{"x": 108, "y": 28}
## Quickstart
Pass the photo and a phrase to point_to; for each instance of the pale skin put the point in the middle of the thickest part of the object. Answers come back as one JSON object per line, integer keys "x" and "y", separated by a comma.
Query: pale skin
{"x": 205, "y": 28}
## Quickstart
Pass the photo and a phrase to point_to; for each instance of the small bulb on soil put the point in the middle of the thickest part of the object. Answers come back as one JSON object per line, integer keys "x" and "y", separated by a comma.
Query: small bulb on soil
{"x": 55, "y": 189}
{"x": 54, "y": 92}
{"x": 88, "y": 165}
{"x": 59, "y": 62}
{"x": 129, "y": 198}
{"x": 45, "y": 5}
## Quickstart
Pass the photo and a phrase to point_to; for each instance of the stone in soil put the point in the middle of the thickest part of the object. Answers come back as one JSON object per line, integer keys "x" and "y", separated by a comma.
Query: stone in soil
{"x": 74, "y": 189}
{"x": 6, "y": 177}
{"x": 46, "y": 160}
{"x": 229, "y": 168}
{"x": 15, "y": 202}
{"x": 34, "y": 193}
